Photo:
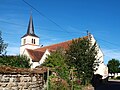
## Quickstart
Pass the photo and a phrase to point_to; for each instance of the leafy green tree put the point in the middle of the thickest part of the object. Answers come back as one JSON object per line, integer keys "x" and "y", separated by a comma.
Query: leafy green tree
{"x": 113, "y": 66}
{"x": 82, "y": 56}
{"x": 56, "y": 61}
{"x": 3, "y": 45}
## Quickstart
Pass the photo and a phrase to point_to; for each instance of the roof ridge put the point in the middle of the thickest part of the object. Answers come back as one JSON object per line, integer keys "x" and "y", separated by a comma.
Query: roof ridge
{"x": 60, "y": 42}
{"x": 54, "y": 44}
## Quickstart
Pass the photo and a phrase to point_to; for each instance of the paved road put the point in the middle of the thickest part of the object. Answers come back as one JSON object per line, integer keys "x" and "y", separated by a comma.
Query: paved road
{"x": 111, "y": 85}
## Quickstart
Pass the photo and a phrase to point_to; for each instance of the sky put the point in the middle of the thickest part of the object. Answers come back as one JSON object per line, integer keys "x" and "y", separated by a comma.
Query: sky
{"x": 60, "y": 20}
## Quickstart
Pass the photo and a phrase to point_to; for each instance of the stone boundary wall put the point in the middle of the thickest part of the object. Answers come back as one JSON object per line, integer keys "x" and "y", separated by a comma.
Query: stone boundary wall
{"x": 21, "y": 80}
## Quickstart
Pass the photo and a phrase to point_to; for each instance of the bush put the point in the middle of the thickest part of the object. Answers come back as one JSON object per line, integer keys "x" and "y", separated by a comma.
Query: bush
{"x": 56, "y": 83}
{"x": 15, "y": 61}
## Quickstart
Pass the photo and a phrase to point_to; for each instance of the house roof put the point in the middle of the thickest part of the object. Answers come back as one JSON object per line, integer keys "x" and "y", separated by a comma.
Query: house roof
{"x": 35, "y": 55}
{"x": 30, "y": 30}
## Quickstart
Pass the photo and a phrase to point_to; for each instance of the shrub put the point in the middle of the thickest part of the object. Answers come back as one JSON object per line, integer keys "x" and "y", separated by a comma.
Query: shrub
{"x": 15, "y": 61}
{"x": 56, "y": 83}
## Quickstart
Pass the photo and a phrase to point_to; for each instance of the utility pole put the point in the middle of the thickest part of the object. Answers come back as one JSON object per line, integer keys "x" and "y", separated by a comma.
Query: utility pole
{"x": 48, "y": 78}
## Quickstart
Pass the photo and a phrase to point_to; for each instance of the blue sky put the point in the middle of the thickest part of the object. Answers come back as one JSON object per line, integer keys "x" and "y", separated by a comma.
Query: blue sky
{"x": 100, "y": 17}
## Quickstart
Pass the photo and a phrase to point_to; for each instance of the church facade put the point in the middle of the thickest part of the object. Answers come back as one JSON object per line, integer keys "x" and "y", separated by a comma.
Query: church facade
{"x": 31, "y": 48}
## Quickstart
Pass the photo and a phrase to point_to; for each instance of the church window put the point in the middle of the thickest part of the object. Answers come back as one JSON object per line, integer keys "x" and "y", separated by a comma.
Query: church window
{"x": 34, "y": 41}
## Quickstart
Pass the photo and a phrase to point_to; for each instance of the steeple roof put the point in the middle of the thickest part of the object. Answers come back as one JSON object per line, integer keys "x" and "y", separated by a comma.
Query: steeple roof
{"x": 30, "y": 30}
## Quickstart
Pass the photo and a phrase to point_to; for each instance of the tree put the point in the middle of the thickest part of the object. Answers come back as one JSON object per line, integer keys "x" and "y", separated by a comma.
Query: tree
{"x": 3, "y": 45}
{"x": 113, "y": 66}
{"x": 56, "y": 61}
{"x": 82, "y": 56}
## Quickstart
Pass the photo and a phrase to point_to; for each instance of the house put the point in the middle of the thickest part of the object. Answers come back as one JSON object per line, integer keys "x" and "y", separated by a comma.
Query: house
{"x": 31, "y": 48}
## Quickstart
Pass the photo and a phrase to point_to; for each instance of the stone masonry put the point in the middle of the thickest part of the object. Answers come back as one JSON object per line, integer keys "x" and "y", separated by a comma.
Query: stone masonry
{"x": 21, "y": 81}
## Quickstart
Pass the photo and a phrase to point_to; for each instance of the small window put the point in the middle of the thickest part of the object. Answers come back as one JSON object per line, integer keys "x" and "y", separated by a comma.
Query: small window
{"x": 24, "y": 41}
{"x": 34, "y": 41}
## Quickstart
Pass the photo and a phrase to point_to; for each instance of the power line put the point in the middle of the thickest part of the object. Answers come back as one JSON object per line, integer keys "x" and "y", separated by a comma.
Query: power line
{"x": 110, "y": 50}
{"x": 12, "y": 23}
{"x": 45, "y": 16}
{"x": 109, "y": 42}
{"x": 42, "y": 29}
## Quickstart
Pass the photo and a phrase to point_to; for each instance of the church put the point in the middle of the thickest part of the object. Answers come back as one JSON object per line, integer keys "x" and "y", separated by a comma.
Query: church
{"x": 37, "y": 54}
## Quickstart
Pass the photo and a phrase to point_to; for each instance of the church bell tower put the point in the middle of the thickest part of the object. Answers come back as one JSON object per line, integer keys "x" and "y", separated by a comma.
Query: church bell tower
{"x": 30, "y": 40}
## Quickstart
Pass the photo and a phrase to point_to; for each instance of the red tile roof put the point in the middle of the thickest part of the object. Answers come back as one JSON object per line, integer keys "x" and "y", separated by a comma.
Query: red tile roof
{"x": 35, "y": 55}
{"x": 55, "y": 46}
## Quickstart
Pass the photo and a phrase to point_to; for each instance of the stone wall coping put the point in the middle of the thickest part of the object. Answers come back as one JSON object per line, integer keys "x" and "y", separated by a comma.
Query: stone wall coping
{"x": 15, "y": 70}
